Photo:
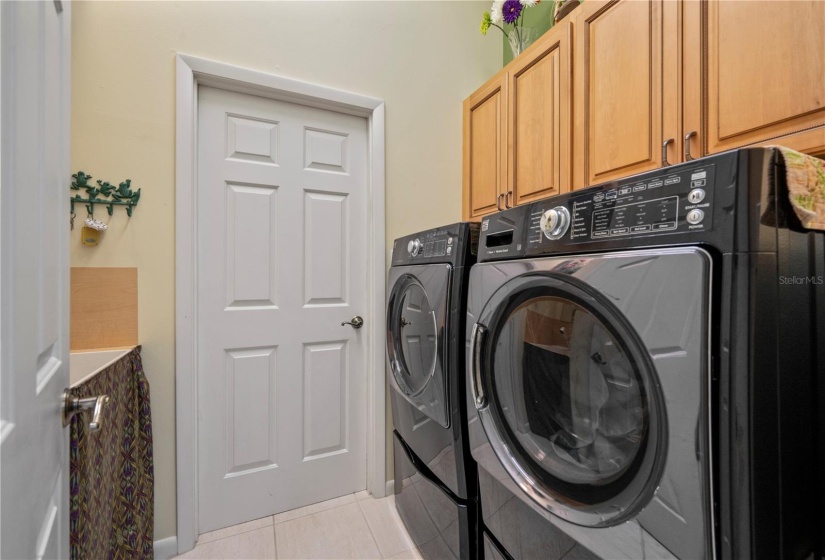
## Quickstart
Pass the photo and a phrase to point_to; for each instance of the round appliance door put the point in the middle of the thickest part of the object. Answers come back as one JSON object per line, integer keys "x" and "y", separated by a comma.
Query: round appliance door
{"x": 569, "y": 399}
{"x": 416, "y": 330}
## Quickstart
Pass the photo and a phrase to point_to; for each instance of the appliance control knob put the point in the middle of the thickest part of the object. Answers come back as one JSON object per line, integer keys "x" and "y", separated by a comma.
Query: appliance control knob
{"x": 555, "y": 222}
{"x": 414, "y": 247}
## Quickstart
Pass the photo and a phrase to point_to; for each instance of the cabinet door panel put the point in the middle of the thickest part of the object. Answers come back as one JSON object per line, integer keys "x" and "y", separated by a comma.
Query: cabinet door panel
{"x": 484, "y": 129}
{"x": 539, "y": 113}
{"x": 619, "y": 89}
{"x": 766, "y": 71}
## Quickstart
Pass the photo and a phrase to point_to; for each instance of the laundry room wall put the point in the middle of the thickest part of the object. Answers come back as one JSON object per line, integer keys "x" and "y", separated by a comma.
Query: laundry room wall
{"x": 422, "y": 58}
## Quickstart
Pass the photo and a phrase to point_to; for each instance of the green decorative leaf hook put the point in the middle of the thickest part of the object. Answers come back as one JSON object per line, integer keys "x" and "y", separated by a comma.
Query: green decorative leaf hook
{"x": 122, "y": 195}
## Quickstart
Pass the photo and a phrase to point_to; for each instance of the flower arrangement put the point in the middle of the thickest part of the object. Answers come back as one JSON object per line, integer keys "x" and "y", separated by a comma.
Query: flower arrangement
{"x": 511, "y": 12}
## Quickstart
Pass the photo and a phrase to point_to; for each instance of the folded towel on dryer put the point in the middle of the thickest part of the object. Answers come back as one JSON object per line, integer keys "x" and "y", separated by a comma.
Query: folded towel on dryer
{"x": 805, "y": 180}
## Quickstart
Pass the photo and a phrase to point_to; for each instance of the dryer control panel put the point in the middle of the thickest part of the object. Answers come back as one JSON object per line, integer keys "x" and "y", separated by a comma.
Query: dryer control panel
{"x": 446, "y": 244}
{"x": 654, "y": 204}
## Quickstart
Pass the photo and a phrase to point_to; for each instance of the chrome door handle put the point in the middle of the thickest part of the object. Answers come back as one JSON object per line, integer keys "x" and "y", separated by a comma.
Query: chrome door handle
{"x": 507, "y": 199}
{"x": 498, "y": 202}
{"x": 664, "y": 152}
{"x": 73, "y": 405}
{"x": 688, "y": 136}
{"x": 356, "y": 322}
{"x": 476, "y": 350}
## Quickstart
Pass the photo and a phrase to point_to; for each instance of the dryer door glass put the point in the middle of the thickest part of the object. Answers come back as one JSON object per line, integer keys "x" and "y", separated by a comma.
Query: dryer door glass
{"x": 574, "y": 401}
{"x": 414, "y": 334}
{"x": 417, "y": 306}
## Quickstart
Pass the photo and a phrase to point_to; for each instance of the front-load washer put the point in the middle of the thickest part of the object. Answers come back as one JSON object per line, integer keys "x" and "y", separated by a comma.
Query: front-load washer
{"x": 643, "y": 369}
{"x": 436, "y": 483}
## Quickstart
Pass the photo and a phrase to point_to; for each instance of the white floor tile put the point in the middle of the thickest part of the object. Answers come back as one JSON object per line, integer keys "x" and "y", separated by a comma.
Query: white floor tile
{"x": 251, "y": 545}
{"x": 314, "y": 508}
{"x": 386, "y": 526}
{"x": 362, "y": 495}
{"x": 411, "y": 554}
{"x": 340, "y": 533}
{"x": 235, "y": 530}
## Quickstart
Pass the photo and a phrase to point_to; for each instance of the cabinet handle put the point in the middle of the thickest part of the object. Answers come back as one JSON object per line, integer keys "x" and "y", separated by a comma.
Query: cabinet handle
{"x": 498, "y": 202}
{"x": 688, "y": 136}
{"x": 665, "y": 163}
{"x": 507, "y": 199}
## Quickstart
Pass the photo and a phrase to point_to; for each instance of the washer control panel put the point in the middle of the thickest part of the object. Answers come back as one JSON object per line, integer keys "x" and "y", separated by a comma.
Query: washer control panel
{"x": 658, "y": 204}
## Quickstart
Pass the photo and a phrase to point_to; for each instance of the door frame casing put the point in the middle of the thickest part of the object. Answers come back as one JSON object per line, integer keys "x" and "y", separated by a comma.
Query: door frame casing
{"x": 193, "y": 72}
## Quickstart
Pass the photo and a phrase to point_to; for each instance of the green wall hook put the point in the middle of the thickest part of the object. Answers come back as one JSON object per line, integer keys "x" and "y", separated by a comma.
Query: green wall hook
{"x": 122, "y": 195}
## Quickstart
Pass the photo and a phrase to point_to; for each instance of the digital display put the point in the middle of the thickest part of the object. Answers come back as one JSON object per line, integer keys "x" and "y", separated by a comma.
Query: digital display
{"x": 435, "y": 248}
{"x": 649, "y": 215}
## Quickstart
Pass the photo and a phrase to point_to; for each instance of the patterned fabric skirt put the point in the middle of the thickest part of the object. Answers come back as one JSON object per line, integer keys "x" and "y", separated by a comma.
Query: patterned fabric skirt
{"x": 112, "y": 472}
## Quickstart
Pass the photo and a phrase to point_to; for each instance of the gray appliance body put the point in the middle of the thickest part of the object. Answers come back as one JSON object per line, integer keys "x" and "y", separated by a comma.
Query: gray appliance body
{"x": 563, "y": 326}
{"x": 436, "y": 483}
{"x": 645, "y": 371}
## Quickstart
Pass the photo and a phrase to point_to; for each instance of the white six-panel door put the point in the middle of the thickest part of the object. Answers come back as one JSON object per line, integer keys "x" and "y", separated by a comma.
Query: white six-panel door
{"x": 281, "y": 220}
{"x": 34, "y": 279}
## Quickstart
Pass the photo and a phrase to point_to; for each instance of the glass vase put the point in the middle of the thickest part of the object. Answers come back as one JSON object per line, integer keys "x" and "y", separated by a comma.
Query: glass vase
{"x": 520, "y": 38}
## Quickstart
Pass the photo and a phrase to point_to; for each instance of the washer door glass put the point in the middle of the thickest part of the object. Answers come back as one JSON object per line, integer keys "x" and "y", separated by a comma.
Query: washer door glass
{"x": 414, "y": 335}
{"x": 574, "y": 403}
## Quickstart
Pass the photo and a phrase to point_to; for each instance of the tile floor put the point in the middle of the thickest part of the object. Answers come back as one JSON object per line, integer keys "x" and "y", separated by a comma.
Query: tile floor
{"x": 353, "y": 526}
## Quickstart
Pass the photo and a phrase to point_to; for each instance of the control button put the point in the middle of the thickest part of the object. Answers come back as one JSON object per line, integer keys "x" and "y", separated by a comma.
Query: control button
{"x": 696, "y": 196}
{"x": 637, "y": 188}
{"x": 664, "y": 225}
{"x": 610, "y": 195}
{"x": 618, "y": 231}
{"x": 636, "y": 229}
{"x": 414, "y": 247}
{"x": 554, "y": 222}
{"x": 601, "y": 233}
{"x": 672, "y": 180}
{"x": 698, "y": 183}
{"x": 695, "y": 216}
{"x": 654, "y": 184}
{"x": 625, "y": 190}
{"x": 598, "y": 197}
{"x": 449, "y": 241}
{"x": 449, "y": 250}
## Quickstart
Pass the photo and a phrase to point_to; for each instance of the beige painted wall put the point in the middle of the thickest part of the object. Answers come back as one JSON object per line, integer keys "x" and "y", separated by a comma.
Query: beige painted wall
{"x": 422, "y": 58}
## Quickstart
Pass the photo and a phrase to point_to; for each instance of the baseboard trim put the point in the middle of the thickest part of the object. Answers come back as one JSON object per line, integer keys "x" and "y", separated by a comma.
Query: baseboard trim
{"x": 390, "y": 488}
{"x": 166, "y": 548}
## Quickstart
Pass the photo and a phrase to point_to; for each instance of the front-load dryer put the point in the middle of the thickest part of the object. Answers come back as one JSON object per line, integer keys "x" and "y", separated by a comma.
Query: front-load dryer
{"x": 642, "y": 373}
{"x": 436, "y": 484}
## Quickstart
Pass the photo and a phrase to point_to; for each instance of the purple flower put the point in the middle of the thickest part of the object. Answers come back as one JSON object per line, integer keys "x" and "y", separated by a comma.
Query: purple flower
{"x": 512, "y": 10}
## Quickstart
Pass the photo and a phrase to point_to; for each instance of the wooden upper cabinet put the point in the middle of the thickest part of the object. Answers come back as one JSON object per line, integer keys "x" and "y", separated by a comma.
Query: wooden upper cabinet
{"x": 484, "y": 158}
{"x": 764, "y": 68}
{"x": 618, "y": 89}
{"x": 538, "y": 148}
